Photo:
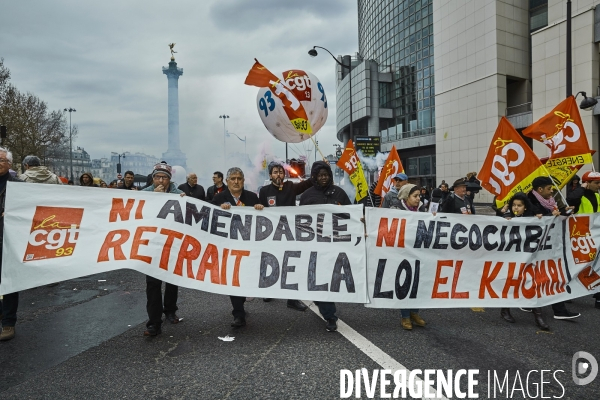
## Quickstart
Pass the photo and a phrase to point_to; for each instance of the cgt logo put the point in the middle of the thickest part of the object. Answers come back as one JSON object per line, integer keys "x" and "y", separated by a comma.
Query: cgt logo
{"x": 584, "y": 363}
{"x": 583, "y": 246}
{"x": 54, "y": 232}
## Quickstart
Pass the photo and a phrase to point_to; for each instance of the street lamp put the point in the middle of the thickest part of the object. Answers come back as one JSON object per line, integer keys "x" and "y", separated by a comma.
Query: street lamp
{"x": 242, "y": 140}
{"x": 224, "y": 134}
{"x": 119, "y": 163}
{"x": 313, "y": 53}
{"x": 587, "y": 103}
{"x": 71, "y": 110}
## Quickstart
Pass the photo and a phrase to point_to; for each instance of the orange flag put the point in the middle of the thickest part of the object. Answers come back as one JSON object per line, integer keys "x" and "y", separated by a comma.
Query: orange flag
{"x": 392, "y": 166}
{"x": 350, "y": 163}
{"x": 510, "y": 165}
{"x": 562, "y": 131}
{"x": 262, "y": 77}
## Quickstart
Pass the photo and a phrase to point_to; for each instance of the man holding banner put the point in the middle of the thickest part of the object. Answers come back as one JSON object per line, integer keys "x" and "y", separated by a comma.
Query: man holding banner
{"x": 391, "y": 199}
{"x": 324, "y": 192}
{"x": 161, "y": 183}
{"x": 280, "y": 194}
{"x": 237, "y": 196}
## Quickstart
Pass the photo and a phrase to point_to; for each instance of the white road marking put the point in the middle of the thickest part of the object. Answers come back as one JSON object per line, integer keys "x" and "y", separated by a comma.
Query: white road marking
{"x": 375, "y": 353}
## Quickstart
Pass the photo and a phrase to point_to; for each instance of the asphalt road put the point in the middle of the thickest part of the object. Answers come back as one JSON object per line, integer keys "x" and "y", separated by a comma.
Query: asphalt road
{"x": 83, "y": 339}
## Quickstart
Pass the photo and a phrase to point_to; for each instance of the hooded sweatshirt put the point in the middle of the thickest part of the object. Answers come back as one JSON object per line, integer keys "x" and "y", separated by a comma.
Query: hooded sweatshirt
{"x": 329, "y": 194}
{"x": 40, "y": 174}
{"x": 92, "y": 184}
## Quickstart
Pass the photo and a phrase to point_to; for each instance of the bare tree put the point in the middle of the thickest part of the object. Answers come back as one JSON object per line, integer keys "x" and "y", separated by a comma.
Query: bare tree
{"x": 32, "y": 128}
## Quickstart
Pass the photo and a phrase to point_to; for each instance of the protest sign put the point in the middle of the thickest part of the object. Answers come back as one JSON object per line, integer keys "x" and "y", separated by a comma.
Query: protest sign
{"x": 417, "y": 260}
{"x": 56, "y": 233}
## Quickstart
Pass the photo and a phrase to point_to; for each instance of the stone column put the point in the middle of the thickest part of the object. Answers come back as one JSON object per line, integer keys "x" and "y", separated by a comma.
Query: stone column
{"x": 174, "y": 155}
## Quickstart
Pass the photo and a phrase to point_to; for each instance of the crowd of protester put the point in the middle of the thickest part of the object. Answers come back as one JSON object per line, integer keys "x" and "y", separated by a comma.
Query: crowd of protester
{"x": 228, "y": 191}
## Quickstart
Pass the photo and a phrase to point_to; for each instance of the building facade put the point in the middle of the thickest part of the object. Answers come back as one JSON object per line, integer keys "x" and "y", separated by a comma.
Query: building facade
{"x": 457, "y": 67}
{"x": 393, "y": 88}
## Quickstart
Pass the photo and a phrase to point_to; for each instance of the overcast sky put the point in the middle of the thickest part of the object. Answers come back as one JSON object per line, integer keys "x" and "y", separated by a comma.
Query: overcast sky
{"x": 104, "y": 59}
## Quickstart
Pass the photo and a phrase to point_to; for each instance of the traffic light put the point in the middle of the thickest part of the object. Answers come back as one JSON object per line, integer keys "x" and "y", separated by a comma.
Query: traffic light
{"x": 118, "y": 168}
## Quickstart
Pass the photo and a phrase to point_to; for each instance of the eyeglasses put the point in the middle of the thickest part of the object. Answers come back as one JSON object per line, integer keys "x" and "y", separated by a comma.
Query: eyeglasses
{"x": 4, "y": 161}
{"x": 160, "y": 177}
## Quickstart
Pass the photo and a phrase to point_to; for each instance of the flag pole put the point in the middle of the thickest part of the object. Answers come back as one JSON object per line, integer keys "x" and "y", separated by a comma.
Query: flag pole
{"x": 317, "y": 147}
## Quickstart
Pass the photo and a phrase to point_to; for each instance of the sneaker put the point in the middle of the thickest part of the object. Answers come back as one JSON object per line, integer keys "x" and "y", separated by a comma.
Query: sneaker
{"x": 296, "y": 305}
{"x": 238, "y": 322}
{"x": 331, "y": 325}
{"x": 597, "y": 303}
{"x": 8, "y": 332}
{"x": 526, "y": 309}
{"x": 152, "y": 330}
{"x": 416, "y": 319}
{"x": 406, "y": 324}
{"x": 172, "y": 318}
{"x": 565, "y": 314}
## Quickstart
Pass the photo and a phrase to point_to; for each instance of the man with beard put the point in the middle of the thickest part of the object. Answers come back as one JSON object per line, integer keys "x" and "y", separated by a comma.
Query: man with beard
{"x": 324, "y": 192}
{"x": 237, "y": 196}
{"x": 542, "y": 200}
{"x": 128, "y": 181}
{"x": 280, "y": 194}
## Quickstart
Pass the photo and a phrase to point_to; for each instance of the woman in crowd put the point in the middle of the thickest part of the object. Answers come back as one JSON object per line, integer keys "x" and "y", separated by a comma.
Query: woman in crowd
{"x": 520, "y": 206}
{"x": 410, "y": 200}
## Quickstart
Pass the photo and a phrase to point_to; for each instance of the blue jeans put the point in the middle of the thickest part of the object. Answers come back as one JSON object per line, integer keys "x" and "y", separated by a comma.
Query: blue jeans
{"x": 327, "y": 310}
{"x": 9, "y": 305}
{"x": 406, "y": 313}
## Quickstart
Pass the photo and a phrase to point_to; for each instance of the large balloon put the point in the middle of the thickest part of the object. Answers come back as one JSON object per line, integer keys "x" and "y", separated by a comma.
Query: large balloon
{"x": 178, "y": 174}
{"x": 309, "y": 91}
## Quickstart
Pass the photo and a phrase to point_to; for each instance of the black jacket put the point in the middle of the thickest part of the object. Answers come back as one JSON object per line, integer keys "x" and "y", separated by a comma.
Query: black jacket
{"x": 196, "y": 192}
{"x": 439, "y": 196}
{"x": 2, "y": 201}
{"x": 330, "y": 194}
{"x": 454, "y": 205}
{"x": 213, "y": 191}
{"x": 248, "y": 198}
{"x": 539, "y": 209}
{"x": 574, "y": 198}
{"x": 273, "y": 196}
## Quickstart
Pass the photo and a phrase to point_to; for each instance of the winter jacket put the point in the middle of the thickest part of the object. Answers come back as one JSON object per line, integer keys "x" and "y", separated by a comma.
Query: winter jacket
{"x": 584, "y": 200}
{"x": 539, "y": 209}
{"x": 247, "y": 198}
{"x": 40, "y": 174}
{"x": 92, "y": 184}
{"x": 330, "y": 194}
{"x": 391, "y": 200}
{"x": 213, "y": 191}
{"x": 455, "y": 205}
{"x": 172, "y": 189}
{"x": 403, "y": 206}
{"x": 196, "y": 192}
{"x": 2, "y": 201}
{"x": 274, "y": 196}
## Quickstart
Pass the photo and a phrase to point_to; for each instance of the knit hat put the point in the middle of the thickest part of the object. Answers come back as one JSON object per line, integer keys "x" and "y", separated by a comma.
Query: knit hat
{"x": 405, "y": 191}
{"x": 591, "y": 176}
{"x": 164, "y": 168}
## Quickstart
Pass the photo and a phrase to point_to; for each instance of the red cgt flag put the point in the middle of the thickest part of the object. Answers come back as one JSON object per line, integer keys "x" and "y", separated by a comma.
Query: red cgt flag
{"x": 510, "y": 165}
{"x": 392, "y": 166}
{"x": 262, "y": 77}
{"x": 562, "y": 131}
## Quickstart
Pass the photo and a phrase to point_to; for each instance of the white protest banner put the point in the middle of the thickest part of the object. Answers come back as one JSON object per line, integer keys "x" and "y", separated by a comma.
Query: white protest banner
{"x": 54, "y": 233}
{"x": 418, "y": 260}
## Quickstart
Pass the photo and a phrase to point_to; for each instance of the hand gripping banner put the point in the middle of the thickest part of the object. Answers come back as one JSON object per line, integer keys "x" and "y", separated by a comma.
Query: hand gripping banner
{"x": 55, "y": 233}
